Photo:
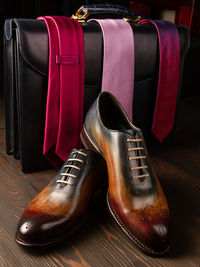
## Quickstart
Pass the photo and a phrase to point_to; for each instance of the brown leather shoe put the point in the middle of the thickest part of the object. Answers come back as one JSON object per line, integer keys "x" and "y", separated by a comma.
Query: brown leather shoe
{"x": 61, "y": 207}
{"x": 135, "y": 198}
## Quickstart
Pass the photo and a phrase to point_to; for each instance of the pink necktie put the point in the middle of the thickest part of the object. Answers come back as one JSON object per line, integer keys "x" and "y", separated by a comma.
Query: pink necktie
{"x": 118, "y": 60}
{"x": 64, "y": 108}
{"x": 168, "y": 82}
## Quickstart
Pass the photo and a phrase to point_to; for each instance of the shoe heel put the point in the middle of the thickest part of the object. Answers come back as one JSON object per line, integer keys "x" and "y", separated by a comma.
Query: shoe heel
{"x": 87, "y": 141}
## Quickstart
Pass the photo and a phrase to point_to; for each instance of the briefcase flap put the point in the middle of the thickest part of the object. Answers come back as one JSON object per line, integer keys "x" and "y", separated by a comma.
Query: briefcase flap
{"x": 32, "y": 39}
{"x": 33, "y": 44}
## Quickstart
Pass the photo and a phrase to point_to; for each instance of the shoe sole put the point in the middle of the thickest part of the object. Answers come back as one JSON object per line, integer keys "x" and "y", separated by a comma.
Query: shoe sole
{"x": 87, "y": 142}
{"x": 50, "y": 242}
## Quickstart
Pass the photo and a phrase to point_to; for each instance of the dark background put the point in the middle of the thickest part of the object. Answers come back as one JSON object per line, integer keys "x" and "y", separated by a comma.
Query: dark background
{"x": 187, "y": 12}
{"x": 99, "y": 242}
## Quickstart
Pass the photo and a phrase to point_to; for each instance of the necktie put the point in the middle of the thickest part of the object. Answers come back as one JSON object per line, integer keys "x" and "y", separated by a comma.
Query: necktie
{"x": 168, "y": 81}
{"x": 118, "y": 60}
{"x": 64, "y": 107}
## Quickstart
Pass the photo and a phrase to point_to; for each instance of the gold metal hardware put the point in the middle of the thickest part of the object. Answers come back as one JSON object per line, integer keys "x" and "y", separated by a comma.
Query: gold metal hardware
{"x": 81, "y": 14}
{"x": 132, "y": 20}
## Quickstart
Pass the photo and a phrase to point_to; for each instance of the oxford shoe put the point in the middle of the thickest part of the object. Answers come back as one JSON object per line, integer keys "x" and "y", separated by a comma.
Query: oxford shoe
{"x": 61, "y": 207}
{"x": 135, "y": 198}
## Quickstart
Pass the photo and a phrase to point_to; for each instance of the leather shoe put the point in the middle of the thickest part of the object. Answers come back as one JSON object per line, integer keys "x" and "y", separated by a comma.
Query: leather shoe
{"x": 60, "y": 208}
{"x": 135, "y": 197}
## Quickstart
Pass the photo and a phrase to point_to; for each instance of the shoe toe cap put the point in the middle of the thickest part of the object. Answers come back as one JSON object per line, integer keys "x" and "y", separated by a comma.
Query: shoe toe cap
{"x": 151, "y": 236}
{"x": 158, "y": 238}
{"x": 150, "y": 233}
{"x": 35, "y": 229}
{"x": 26, "y": 234}
{"x": 29, "y": 230}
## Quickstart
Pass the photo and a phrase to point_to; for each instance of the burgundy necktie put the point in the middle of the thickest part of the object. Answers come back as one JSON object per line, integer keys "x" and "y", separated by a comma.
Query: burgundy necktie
{"x": 118, "y": 61}
{"x": 64, "y": 108}
{"x": 168, "y": 82}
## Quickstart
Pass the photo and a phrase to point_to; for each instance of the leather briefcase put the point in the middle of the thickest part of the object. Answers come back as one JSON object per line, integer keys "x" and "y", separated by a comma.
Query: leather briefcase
{"x": 26, "y": 73}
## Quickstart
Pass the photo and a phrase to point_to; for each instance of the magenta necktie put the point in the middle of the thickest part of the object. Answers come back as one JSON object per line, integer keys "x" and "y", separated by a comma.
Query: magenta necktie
{"x": 168, "y": 81}
{"x": 118, "y": 60}
{"x": 64, "y": 107}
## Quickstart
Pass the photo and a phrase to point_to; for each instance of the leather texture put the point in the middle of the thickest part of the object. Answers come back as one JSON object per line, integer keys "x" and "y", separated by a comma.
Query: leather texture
{"x": 107, "y": 10}
{"x": 9, "y": 90}
{"x": 26, "y": 81}
{"x": 61, "y": 207}
{"x": 135, "y": 197}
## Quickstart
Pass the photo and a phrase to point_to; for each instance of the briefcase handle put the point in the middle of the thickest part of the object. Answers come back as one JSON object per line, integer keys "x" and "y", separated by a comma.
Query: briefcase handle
{"x": 104, "y": 10}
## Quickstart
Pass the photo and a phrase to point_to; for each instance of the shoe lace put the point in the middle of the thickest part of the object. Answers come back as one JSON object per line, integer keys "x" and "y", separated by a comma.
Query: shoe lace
{"x": 137, "y": 148}
{"x": 70, "y": 166}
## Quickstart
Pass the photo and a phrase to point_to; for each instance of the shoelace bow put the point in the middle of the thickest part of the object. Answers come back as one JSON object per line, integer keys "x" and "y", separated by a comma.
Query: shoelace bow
{"x": 137, "y": 158}
{"x": 70, "y": 167}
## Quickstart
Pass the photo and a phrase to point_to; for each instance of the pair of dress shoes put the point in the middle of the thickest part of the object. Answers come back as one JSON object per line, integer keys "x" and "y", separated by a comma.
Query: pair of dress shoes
{"x": 135, "y": 198}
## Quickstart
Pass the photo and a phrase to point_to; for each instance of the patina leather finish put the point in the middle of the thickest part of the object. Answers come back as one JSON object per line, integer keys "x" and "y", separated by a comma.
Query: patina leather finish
{"x": 60, "y": 208}
{"x": 135, "y": 197}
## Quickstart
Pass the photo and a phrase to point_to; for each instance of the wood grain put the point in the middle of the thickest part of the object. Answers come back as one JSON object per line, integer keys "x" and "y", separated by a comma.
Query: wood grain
{"x": 100, "y": 242}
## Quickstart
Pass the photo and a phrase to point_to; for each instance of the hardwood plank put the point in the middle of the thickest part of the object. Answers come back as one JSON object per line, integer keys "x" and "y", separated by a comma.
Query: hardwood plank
{"x": 100, "y": 242}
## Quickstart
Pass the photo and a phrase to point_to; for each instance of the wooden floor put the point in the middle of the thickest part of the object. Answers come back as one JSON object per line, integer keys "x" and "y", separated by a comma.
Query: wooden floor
{"x": 100, "y": 242}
